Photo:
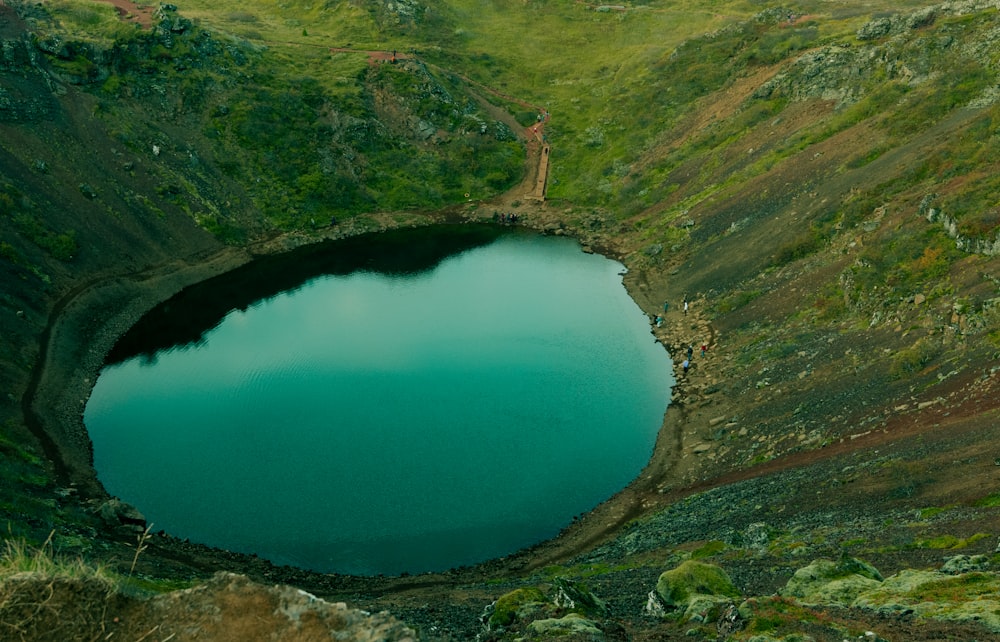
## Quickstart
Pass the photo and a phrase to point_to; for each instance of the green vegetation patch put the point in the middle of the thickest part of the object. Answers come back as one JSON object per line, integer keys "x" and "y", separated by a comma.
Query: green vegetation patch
{"x": 968, "y": 597}
{"x": 709, "y": 549}
{"x": 736, "y": 300}
{"x": 691, "y": 578}
{"x": 909, "y": 361}
{"x": 777, "y": 616}
{"x": 943, "y": 542}
{"x": 993, "y": 499}
{"x": 19, "y": 211}
{"x": 916, "y": 258}
{"x": 505, "y": 610}
{"x": 968, "y": 586}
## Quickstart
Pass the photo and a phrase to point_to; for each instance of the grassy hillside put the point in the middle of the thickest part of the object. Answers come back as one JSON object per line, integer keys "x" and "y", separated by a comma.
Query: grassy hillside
{"x": 817, "y": 181}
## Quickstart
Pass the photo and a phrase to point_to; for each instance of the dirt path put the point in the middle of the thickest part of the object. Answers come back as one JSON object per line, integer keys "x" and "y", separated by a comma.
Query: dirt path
{"x": 128, "y": 11}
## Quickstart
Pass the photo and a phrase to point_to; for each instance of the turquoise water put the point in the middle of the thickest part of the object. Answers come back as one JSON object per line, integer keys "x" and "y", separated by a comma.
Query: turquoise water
{"x": 373, "y": 423}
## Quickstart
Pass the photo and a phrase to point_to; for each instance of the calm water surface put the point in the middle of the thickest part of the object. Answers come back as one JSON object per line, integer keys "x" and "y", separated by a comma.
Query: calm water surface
{"x": 376, "y": 422}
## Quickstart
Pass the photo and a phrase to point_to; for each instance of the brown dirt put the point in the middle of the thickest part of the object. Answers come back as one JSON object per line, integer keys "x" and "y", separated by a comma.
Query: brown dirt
{"x": 134, "y": 12}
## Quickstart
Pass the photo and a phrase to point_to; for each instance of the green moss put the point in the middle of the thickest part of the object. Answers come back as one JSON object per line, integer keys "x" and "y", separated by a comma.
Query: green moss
{"x": 694, "y": 578}
{"x": 942, "y": 542}
{"x": 961, "y": 588}
{"x": 506, "y": 607}
{"x": 708, "y": 550}
{"x": 932, "y": 511}
{"x": 993, "y": 499}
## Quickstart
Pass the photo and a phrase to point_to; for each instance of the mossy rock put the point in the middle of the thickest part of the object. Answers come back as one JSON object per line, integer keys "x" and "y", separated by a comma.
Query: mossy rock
{"x": 970, "y": 597}
{"x": 506, "y": 608}
{"x": 965, "y": 564}
{"x": 705, "y": 608}
{"x": 828, "y": 582}
{"x": 676, "y": 587}
{"x": 573, "y": 625}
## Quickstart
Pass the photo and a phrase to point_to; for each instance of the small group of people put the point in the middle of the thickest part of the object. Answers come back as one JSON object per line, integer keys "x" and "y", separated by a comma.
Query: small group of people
{"x": 690, "y": 355}
{"x": 505, "y": 218}
{"x": 660, "y": 318}
{"x": 666, "y": 304}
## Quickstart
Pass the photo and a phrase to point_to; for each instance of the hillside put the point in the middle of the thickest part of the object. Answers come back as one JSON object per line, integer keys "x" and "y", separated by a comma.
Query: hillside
{"x": 816, "y": 182}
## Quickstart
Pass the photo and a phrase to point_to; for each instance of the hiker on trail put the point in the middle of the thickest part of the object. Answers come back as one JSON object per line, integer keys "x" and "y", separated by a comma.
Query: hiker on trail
{"x": 659, "y": 321}
{"x": 665, "y": 306}
{"x": 704, "y": 349}
{"x": 686, "y": 365}
{"x": 690, "y": 352}
{"x": 685, "y": 306}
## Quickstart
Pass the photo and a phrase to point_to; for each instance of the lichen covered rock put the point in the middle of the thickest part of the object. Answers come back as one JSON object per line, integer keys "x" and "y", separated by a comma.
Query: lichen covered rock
{"x": 679, "y": 588}
{"x": 828, "y": 582}
{"x": 573, "y": 625}
{"x": 968, "y": 597}
{"x": 505, "y": 610}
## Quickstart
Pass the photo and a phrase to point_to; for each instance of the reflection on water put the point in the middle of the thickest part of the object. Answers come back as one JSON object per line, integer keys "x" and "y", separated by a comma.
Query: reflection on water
{"x": 395, "y": 420}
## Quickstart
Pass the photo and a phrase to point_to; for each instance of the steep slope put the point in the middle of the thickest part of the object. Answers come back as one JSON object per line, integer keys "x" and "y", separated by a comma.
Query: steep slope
{"x": 820, "y": 199}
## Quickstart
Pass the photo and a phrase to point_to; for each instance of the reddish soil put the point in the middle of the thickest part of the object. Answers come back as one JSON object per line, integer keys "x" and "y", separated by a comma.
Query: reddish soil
{"x": 129, "y": 11}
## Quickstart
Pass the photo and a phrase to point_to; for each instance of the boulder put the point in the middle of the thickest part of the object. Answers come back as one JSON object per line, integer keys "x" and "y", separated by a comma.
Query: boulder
{"x": 654, "y": 605}
{"x": 513, "y": 606}
{"x": 828, "y": 582}
{"x": 677, "y": 588}
{"x": 572, "y": 596}
{"x": 968, "y": 597}
{"x": 573, "y": 625}
{"x": 706, "y": 608}
{"x": 115, "y": 512}
{"x": 965, "y": 564}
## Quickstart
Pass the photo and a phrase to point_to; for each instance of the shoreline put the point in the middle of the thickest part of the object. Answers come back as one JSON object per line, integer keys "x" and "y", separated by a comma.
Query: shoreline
{"x": 86, "y": 323}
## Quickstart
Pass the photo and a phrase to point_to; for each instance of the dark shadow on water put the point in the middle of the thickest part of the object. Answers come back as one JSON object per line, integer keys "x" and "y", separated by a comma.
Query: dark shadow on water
{"x": 186, "y": 318}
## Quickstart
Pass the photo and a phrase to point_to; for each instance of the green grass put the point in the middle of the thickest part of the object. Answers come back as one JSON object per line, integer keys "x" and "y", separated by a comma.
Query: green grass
{"x": 88, "y": 21}
{"x": 18, "y": 556}
{"x": 586, "y": 67}
{"x": 963, "y": 588}
{"x": 947, "y": 542}
{"x": 30, "y": 223}
{"x": 614, "y": 82}
{"x": 736, "y": 300}
{"x": 991, "y": 500}
{"x": 710, "y": 549}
